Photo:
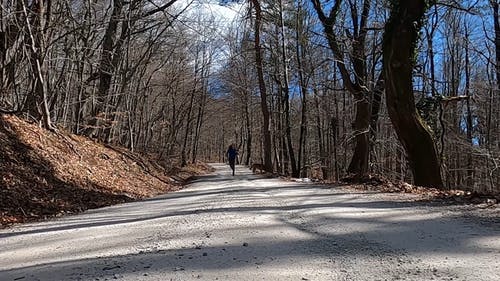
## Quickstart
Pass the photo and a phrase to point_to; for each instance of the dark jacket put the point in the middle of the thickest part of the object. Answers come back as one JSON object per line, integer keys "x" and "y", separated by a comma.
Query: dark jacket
{"x": 231, "y": 154}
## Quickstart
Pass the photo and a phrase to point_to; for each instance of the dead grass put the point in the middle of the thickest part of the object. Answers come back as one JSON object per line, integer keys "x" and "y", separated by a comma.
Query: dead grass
{"x": 44, "y": 174}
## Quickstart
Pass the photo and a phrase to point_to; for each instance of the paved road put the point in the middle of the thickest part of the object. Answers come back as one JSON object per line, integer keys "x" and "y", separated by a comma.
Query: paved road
{"x": 251, "y": 228}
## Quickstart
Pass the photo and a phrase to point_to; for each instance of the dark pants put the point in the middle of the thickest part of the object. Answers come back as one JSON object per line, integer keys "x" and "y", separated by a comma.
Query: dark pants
{"x": 231, "y": 163}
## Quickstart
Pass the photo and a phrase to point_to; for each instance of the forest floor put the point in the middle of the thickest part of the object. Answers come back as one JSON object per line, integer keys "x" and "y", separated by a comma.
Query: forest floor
{"x": 252, "y": 227}
{"x": 45, "y": 174}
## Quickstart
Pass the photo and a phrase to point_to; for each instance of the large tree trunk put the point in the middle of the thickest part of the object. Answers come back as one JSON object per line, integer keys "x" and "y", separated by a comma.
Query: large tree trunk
{"x": 359, "y": 160}
{"x": 400, "y": 42}
{"x": 263, "y": 91}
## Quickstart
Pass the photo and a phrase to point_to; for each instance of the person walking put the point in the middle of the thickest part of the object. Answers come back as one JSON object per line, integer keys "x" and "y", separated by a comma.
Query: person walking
{"x": 232, "y": 153}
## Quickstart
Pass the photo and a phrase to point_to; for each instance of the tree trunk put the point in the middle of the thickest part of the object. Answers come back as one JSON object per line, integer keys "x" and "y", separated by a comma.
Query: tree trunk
{"x": 321, "y": 142}
{"x": 286, "y": 98}
{"x": 496, "y": 23}
{"x": 248, "y": 127}
{"x": 400, "y": 42}
{"x": 375, "y": 109}
{"x": 11, "y": 40}
{"x": 300, "y": 53}
{"x": 106, "y": 66}
{"x": 469, "y": 124}
{"x": 359, "y": 160}
{"x": 268, "y": 165}
{"x": 187, "y": 128}
{"x": 37, "y": 103}
{"x": 200, "y": 117}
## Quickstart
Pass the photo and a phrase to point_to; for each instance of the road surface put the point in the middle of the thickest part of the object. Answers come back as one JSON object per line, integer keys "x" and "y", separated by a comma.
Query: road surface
{"x": 248, "y": 227}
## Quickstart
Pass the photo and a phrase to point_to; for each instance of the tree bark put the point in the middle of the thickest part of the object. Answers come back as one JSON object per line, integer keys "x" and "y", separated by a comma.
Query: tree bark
{"x": 375, "y": 109}
{"x": 286, "y": 98}
{"x": 496, "y": 22}
{"x": 188, "y": 126}
{"x": 200, "y": 116}
{"x": 11, "y": 41}
{"x": 359, "y": 160}
{"x": 469, "y": 127}
{"x": 268, "y": 165}
{"x": 300, "y": 54}
{"x": 400, "y": 42}
{"x": 248, "y": 127}
{"x": 37, "y": 103}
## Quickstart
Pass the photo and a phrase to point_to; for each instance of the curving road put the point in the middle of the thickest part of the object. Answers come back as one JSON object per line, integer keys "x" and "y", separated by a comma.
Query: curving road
{"x": 252, "y": 228}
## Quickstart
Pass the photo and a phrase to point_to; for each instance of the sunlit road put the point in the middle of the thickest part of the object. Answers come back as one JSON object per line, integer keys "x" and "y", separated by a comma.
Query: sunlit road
{"x": 248, "y": 227}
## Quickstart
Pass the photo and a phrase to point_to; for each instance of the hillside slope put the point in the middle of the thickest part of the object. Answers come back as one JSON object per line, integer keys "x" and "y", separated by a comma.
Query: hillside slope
{"x": 45, "y": 174}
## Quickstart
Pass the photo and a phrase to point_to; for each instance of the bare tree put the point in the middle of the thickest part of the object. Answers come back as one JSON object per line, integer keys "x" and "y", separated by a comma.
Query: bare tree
{"x": 357, "y": 83}
{"x": 262, "y": 87}
{"x": 37, "y": 18}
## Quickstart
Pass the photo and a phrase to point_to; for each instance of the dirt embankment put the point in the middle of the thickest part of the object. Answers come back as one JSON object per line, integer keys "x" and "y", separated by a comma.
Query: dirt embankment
{"x": 45, "y": 174}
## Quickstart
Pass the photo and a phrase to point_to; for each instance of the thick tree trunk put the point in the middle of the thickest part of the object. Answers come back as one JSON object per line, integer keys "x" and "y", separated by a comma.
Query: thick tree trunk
{"x": 263, "y": 91}
{"x": 359, "y": 160}
{"x": 400, "y": 42}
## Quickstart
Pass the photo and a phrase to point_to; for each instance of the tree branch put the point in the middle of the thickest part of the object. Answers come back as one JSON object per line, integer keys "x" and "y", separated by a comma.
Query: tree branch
{"x": 159, "y": 9}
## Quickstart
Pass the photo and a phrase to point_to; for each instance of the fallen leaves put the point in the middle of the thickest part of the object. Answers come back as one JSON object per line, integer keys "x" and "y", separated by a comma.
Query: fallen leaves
{"x": 380, "y": 183}
{"x": 45, "y": 174}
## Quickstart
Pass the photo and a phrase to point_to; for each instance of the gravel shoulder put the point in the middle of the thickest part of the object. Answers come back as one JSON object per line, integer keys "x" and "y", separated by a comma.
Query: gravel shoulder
{"x": 248, "y": 227}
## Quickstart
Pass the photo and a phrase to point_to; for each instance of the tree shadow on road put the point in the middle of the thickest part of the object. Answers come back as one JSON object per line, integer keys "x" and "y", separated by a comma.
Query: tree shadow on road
{"x": 155, "y": 208}
{"x": 327, "y": 218}
{"x": 278, "y": 253}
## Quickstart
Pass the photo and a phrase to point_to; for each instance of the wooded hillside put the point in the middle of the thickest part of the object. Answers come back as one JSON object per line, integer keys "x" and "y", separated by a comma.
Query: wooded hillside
{"x": 45, "y": 174}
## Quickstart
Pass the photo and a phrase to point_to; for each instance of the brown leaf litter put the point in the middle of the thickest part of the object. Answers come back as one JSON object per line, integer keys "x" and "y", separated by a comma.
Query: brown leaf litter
{"x": 379, "y": 183}
{"x": 45, "y": 174}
